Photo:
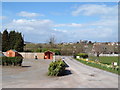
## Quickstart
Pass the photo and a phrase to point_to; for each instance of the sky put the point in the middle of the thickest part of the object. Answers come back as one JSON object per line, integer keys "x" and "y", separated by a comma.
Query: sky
{"x": 66, "y": 21}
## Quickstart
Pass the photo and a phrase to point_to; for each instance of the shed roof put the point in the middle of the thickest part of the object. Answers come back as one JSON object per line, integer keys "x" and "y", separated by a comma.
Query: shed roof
{"x": 48, "y": 51}
{"x": 1, "y": 54}
{"x": 13, "y": 50}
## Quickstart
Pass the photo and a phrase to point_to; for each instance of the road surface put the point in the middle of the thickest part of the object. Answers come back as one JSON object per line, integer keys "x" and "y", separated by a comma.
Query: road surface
{"x": 33, "y": 74}
{"x": 92, "y": 77}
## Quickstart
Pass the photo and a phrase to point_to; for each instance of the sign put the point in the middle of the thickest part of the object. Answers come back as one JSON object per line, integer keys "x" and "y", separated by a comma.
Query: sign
{"x": 115, "y": 63}
{"x": 77, "y": 57}
{"x": 87, "y": 59}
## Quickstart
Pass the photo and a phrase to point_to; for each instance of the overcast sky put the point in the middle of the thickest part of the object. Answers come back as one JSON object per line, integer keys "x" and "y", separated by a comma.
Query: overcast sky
{"x": 67, "y": 21}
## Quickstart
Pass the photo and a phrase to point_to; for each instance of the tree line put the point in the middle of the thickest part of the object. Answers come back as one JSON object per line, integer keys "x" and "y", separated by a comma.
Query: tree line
{"x": 12, "y": 40}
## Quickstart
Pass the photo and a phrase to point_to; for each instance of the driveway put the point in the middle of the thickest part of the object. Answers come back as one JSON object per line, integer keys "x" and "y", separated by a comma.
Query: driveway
{"x": 33, "y": 74}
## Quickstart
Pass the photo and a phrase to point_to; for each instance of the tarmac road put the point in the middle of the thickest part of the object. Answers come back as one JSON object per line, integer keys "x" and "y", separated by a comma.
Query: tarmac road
{"x": 92, "y": 77}
{"x": 33, "y": 74}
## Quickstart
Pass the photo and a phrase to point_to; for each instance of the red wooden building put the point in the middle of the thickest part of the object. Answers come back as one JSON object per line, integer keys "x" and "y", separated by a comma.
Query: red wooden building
{"x": 12, "y": 53}
{"x": 48, "y": 55}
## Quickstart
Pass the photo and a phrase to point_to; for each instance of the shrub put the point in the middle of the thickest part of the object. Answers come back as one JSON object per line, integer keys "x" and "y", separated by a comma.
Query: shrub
{"x": 57, "y": 52}
{"x": 56, "y": 68}
{"x": 82, "y": 55}
{"x": 8, "y": 61}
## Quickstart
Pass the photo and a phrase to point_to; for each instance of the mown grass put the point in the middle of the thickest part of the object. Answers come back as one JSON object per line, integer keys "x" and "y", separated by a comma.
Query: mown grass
{"x": 105, "y": 59}
{"x": 100, "y": 67}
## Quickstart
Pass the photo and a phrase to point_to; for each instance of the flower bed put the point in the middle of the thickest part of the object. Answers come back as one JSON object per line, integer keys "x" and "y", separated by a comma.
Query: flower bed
{"x": 110, "y": 68}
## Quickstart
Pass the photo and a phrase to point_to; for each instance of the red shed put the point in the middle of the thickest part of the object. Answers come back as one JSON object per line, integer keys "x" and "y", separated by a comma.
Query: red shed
{"x": 12, "y": 53}
{"x": 48, "y": 55}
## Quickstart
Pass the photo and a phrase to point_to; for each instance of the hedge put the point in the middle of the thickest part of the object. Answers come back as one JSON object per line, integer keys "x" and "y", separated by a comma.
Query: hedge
{"x": 56, "y": 68}
{"x": 82, "y": 55}
{"x": 11, "y": 61}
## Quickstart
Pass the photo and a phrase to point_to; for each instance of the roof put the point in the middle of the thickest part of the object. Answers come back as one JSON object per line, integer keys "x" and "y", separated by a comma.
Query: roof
{"x": 1, "y": 54}
{"x": 48, "y": 51}
{"x": 13, "y": 50}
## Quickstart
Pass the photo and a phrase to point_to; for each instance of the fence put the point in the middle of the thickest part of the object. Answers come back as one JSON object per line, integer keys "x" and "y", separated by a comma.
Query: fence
{"x": 106, "y": 54}
{"x": 109, "y": 54}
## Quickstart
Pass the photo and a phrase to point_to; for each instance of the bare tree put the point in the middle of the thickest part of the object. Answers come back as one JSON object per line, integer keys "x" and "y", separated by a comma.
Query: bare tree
{"x": 98, "y": 49}
{"x": 52, "y": 41}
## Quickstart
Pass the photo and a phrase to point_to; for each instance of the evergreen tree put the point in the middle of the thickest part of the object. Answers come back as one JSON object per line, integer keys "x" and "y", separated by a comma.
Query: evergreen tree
{"x": 12, "y": 39}
{"x": 19, "y": 45}
{"x": 0, "y": 41}
{"x": 5, "y": 41}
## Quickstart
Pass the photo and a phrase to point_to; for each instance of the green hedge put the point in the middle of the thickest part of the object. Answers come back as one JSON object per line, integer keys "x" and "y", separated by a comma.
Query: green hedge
{"x": 11, "y": 61}
{"x": 82, "y": 55}
{"x": 56, "y": 68}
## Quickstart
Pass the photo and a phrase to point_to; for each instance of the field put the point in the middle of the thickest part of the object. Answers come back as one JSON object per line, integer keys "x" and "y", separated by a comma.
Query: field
{"x": 105, "y": 59}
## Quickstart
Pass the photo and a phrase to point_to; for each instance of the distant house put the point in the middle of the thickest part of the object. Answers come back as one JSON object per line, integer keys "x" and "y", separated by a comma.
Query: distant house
{"x": 83, "y": 41}
{"x": 12, "y": 53}
{"x": 48, "y": 55}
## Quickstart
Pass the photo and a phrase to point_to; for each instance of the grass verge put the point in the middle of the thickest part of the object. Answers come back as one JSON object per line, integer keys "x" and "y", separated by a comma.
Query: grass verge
{"x": 101, "y": 66}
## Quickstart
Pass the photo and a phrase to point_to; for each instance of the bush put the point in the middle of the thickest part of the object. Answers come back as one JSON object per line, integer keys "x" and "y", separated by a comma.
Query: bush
{"x": 82, "y": 55}
{"x": 56, "y": 68}
{"x": 57, "y": 52}
{"x": 8, "y": 61}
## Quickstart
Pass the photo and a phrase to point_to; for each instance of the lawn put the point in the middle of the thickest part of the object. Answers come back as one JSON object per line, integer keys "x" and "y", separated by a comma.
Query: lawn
{"x": 105, "y": 59}
{"x": 105, "y": 63}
